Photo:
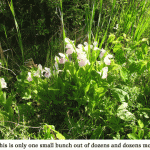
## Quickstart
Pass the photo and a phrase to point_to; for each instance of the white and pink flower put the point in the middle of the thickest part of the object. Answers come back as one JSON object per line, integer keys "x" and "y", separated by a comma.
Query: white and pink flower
{"x": 3, "y": 83}
{"x": 102, "y": 53}
{"x": 104, "y": 70}
{"x": 107, "y": 60}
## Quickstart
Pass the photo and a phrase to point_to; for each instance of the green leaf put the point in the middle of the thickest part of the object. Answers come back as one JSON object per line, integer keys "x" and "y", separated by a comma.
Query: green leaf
{"x": 99, "y": 90}
{"x": 120, "y": 94}
{"x": 141, "y": 133}
{"x": 59, "y": 136}
{"x": 124, "y": 74}
{"x": 145, "y": 115}
{"x": 146, "y": 109}
{"x": 111, "y": 38}
{"x": 97, "y": 133}
{"x": 26, "y": 96}
{"x": 117, "y": 47}
{"x": 29, "y": 103}
{"x": 143, "y": 66}
{"x": 134, "y": 130}
{"x": 120, "y": 56}
{"x": 145, "y": 39}
{"x": 87, "y": 88}
{"x": 123, "y": 106}
{"x": 125, "y": 115}
{"x": 140, "y": 123}
{"x": 134, "y": 67}
{"x": 47, "y": 130}
{"x": 132, "y": 136}
{"x": 47, "y": 134}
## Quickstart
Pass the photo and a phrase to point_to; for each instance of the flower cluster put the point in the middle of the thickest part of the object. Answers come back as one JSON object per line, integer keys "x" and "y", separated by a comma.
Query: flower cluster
{"x": 46, "y": 71}
{"x": 81, "y": 52}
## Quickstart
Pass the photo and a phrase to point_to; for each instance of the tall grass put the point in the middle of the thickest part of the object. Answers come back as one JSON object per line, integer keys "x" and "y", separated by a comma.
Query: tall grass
{"x": 17, "y": 28}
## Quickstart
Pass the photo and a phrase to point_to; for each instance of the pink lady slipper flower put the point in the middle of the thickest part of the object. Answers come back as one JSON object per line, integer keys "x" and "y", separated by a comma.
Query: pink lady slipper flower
{"x": 29, "y": 78}
{"x": 82, "y": 59}
{"x": 69, "y": 52}
{"x": 39, "y": 71}
{"x": 56, "y": 68}
{"x": 70, "y": 46}
{"x": 79, "y": 49}
{"x": 62, "y": 60}
{"x": 83, "y": 62}
{"x": 107, "y": 60}
{"x": 67, "y": 40}
{"x": 47, "y": 72}
{"x": 86, "y": 47}
{"x": 81, "y": 55}
{"x": 104, "y": 70}
{"x": 96, "y": 48}
{"x": 3, "y": 83}
{"x": 102, "y": 53}
{"x": 70, "y": 49}
{"x": 85, "y": 43}
{"x": 95, "y": 44}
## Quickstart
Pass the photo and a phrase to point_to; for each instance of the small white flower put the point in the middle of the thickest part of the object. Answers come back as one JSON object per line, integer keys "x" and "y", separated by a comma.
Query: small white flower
{"x": 67, "y": 40}
{"x": 104, "y": 70}
{"x": 29, "y": 78}
{"x": 85, "y": 43}
{"x": 116, "y": 27}
{"x": 3, "y": 83}
{"x": 78, "y": 50}
{"x": 47, "y": 72}
{"x": 62, "y": 60}
{"x": 102, "y": 53}
{"x": 69, "y": 51}
{"x": 62, "y": 55}
{"x": 81, "y": 56}
{"x": 95, "y": 43}
{"x": 86, "y": 47}
{"x": 39, "y": 71}
{"x": 110, "y": 56}
{"x": 99, "y": 62}
{"x": 80, "y": 46}
{"x": 96, "y": 48}
{"x": 107, "y": 60}
{"x": 40, "y": 67}
{"x": 83, "y": 62}
{"x": 70, "y": 46}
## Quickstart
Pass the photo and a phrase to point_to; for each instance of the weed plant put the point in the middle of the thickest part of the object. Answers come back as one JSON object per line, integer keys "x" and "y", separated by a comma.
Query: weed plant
{"x": 92, "y": 87}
